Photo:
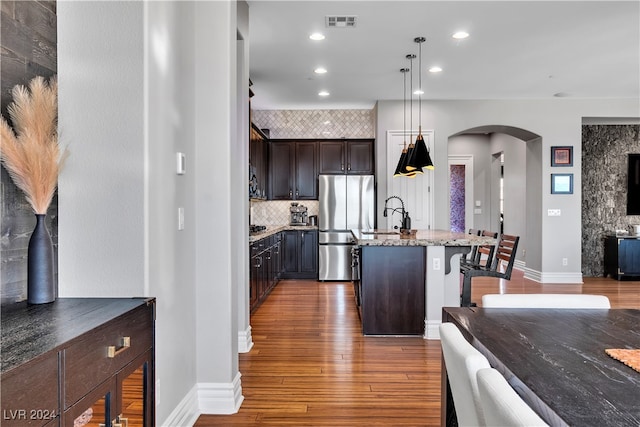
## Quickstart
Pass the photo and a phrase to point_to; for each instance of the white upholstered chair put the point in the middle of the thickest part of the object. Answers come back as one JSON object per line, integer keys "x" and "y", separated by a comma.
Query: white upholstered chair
{"x": 545, "y": 301}
{"x": 462, "y": 361}
{"x": 500, "y": 403}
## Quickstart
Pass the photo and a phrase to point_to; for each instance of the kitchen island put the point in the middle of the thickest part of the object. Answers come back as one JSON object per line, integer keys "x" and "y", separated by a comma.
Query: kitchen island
{"x": 406, "y": 279}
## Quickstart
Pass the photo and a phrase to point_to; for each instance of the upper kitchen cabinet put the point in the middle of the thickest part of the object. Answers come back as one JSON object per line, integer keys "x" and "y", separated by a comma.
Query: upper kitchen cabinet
{"x": 293, "y": 172}
{"x": 353, "y": 157}
{"x": 258, "y": 162}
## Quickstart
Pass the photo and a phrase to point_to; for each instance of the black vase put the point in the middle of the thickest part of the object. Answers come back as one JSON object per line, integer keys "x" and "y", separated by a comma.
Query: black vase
{"x": 40, "y": 279}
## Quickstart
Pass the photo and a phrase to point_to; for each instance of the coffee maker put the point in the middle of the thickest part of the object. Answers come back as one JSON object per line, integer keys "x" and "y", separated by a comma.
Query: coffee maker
{"x": 298, "y": 214}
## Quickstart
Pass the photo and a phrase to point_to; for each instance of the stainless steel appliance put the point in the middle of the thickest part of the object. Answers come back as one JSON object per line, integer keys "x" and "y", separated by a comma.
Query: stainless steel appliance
{"x": 298, "y": 214}
{"x": 346, "y": 202}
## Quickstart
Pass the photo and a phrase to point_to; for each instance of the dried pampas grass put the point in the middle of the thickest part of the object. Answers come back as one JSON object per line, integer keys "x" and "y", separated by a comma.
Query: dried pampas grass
{"x": 32, "y": 155}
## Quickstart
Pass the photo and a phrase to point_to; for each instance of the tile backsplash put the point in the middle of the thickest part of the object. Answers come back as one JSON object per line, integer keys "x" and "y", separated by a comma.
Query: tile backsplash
{"x": 276, "y": 212}
{"x": 315, "y": 123}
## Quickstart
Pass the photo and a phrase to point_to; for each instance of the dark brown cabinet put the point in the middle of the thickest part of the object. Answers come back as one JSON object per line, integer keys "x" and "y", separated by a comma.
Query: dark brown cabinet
{"x": 392, "y": 290}
{"x": 293, "y": 172}
{"x": 622, "y": 256}
{"x": 266, "y": 268}
{"x": 79, "y": 361}
{"x": 258, "y": 163}
{"x": 346, "y": 157}
{"x": 300, "y": 254}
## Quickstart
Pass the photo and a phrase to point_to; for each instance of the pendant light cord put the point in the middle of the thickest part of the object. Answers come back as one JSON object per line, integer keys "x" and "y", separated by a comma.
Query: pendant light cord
{"x": 404, "y": 106}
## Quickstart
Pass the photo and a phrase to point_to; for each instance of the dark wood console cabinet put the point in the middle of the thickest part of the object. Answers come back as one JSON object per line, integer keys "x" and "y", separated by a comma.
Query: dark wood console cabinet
{"x": 79, "y": 361}
{"x": 621, "y": 256}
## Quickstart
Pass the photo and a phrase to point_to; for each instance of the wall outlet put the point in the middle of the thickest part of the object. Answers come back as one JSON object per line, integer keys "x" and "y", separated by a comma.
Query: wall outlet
{"x": 565, "y": 262}
{"x": 436, "y": 263}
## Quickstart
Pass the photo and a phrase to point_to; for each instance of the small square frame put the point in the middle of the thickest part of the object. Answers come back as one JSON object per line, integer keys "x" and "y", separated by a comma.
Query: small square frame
{"x": 561, "y": 183}
{"x": 562, "y": 156}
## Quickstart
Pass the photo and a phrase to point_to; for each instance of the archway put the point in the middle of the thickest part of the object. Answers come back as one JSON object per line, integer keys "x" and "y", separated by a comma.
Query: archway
{"x": 522, "y": 153}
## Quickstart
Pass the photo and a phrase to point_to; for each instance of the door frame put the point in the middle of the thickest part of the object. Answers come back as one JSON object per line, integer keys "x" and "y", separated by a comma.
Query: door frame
{"x": 469, "y": 206}
{"x": 392, "y": 161}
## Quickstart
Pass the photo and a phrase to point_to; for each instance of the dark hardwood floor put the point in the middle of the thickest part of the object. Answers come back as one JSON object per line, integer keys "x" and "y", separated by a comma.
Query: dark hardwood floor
{"x": 311, "y": 366}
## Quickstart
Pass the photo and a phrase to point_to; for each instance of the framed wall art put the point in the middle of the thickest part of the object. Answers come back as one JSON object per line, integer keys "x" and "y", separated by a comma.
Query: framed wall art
{"x": 562, "y": 156}
{"x": 561, "y": 183}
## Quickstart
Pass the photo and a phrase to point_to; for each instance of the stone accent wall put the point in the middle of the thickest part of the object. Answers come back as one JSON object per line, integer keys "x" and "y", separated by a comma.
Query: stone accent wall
{"x": 604, "y": 188}
{"x": 28, "y": 48}
{"x": 456, "y": 198}
{"x": 320, "y": 124}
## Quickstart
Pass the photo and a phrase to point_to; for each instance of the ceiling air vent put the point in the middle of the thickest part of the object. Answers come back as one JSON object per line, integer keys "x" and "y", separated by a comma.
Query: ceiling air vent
{"x": 345, "y": 21}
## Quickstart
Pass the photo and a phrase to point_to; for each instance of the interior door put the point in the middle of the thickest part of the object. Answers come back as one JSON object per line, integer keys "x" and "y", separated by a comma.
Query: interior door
{"x": 415, "y": 192}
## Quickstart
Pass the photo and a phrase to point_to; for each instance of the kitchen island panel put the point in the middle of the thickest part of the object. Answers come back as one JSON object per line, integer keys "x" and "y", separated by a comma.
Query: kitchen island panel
{"x": 393, "y": 290}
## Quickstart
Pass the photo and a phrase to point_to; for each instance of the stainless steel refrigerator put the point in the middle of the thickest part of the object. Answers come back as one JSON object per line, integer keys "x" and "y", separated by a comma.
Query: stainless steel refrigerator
{"x": 346, "y": 202}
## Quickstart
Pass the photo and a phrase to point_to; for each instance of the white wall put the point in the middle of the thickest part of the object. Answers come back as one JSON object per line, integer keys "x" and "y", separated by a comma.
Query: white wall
{"x": 515, "y": 185}
{"x": 101, "y": 192}
{"x": 140, "y": 81}
{"x": 558, "y": 121}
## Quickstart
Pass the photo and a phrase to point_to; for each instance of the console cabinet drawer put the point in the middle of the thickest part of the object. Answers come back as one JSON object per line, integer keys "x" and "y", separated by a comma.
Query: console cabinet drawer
{"x": 88, "y": 363}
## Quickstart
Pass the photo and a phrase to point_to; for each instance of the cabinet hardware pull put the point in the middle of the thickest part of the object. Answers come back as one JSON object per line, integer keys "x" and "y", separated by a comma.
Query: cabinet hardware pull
{"x": 122, "y": 422}
{"x": 113, "y": 352}
{"x": 349, "y": 167}
{"x": 290, "y": 193}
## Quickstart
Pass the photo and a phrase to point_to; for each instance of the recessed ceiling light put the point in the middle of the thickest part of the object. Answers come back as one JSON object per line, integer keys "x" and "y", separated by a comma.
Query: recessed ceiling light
{"x": 460, "y": 35}
{"x": 317, "y": 36}
{"x": 418, "y": 92}
{"x": 435, "y": 69}
{"x": 320, "y": 70}
{"x": 323, "y": 93}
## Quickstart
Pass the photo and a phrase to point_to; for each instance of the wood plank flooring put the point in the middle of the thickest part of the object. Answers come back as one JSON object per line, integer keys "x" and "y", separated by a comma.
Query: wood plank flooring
{"x": 311, "y": 366}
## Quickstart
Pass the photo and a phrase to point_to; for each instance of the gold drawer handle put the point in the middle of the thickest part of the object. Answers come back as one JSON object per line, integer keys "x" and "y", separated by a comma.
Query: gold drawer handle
{"x": 113, "y": 352}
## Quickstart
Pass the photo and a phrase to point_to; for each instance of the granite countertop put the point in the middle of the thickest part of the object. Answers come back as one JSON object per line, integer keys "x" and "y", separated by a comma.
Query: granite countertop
{"x": 418, "y": 238}
{"x": 273, "y": 229}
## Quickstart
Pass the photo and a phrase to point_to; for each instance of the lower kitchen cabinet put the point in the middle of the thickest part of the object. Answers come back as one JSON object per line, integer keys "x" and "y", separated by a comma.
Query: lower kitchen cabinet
{"x": 622, "y": 256}
{"x": 79, "y": 362}
{"x": 266, "y": 268}
{"x": 300, "y": 254}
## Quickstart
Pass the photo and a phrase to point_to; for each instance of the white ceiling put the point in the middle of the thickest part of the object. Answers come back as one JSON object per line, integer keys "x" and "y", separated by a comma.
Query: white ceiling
{"x": 516, "y": 50}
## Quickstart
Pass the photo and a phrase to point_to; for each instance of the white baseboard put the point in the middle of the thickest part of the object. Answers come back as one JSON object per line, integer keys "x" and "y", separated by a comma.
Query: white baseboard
{"x": 206, "y": 398}
{"x": 520, "y": 265}
{"x": 564, "y": 278}
{"x": 553, "y": 277}
{"x": 186, "y": 413}
{"x": 245, "y": 341}
{"x": 220, "y": 398}
{"x": 432, "y": 329}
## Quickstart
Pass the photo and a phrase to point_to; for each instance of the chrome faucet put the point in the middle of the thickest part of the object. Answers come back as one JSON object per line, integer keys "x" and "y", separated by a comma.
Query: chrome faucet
{"x": 406, "y": 220}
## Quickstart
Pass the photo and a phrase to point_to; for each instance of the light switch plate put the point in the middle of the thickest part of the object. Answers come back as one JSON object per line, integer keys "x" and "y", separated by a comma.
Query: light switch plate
{"x": 181, "y": 166}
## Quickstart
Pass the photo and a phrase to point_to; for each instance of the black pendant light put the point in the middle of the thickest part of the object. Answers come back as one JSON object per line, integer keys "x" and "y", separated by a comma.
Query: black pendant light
{"x": 411, "y": 173}
{"x": 419, "y": 157}
{"x": 402, "y": 163}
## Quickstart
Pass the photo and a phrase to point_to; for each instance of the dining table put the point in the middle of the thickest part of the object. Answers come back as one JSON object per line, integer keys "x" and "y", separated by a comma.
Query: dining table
{"x": 557, "y": 361}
